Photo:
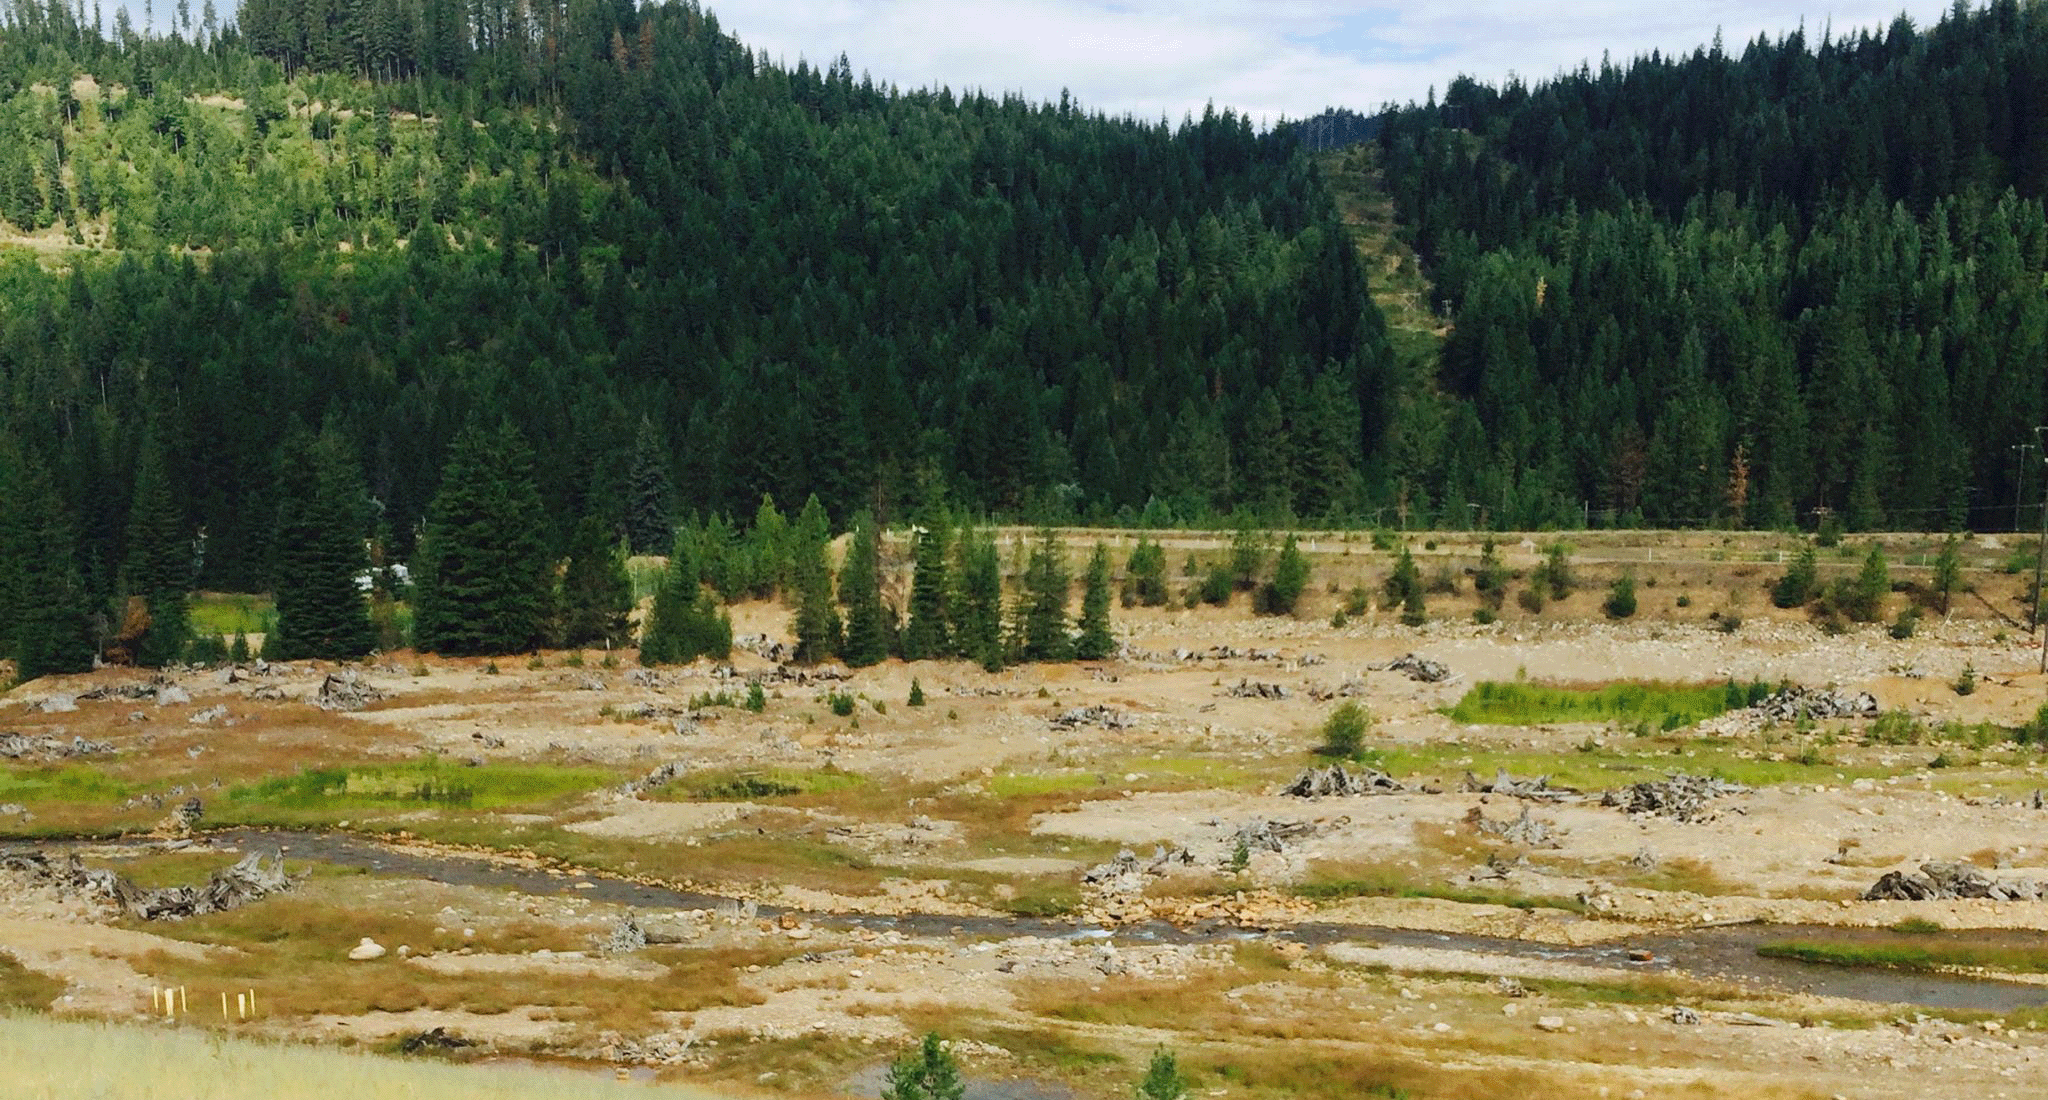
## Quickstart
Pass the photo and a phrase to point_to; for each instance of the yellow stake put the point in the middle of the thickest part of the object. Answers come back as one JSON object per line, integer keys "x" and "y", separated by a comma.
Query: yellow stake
{"x": 184, "y": 1002}
{"x": 223, "y": 1005}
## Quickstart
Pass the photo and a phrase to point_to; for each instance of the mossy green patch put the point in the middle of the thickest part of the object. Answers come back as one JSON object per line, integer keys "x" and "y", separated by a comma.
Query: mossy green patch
{"x": 1661, "y": 705}
{"x": 427, "y": 783}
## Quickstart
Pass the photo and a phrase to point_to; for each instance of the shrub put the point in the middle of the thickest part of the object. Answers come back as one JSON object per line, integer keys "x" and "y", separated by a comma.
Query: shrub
{"x": 1730, "y": 622}
{"x": 916, "y": 694}
{"x": 1555, "y": 573}
{"x": 1907, "y": 622}
{"x": 929, "y": 1073}
{"x": 1966, "y": 683}
{"x": 1163, "y": 1080}
{"x": 841, "y": 703}
{"x": 1344, "y": 730}
{"x": 1217, "y": 584}
{"x": 1531, "y": 598}
{"x": 1485, "y": 616}
{"x": 1290, "y": 578}
{"x": 1621, "y": 597}
{"x": 1404, "y": 583}
{"x": 1490, "y": 580}
{"x": 757, "y": 700}
{"x": 1339, "y": 620}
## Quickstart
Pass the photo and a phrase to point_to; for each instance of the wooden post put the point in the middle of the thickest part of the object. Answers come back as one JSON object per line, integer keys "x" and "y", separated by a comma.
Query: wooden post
{"x": 242, "y": 1006}
{"x": 224, "y": 1005}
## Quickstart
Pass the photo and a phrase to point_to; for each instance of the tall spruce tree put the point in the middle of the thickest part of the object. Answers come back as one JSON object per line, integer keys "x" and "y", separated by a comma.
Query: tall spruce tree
{"x": 1145, "y": 574}
{"x": 1042, "y": 604}
{"x": 870, "y": 626}
{"x": 483, "y": 579}
{"x": 817, "y": 626}
{"x": 1095, "y": 642}
{"x": 48, "y": 628}
{"x": 1290, "y": 578}
{"x": 650, "y": 493}
{"x": 926, "y": 635}
{"x": 597, "y": 594}
{"x": 976, "y": 604}
{"x": 158, "y": 566}
{"x": 320, "y": 554}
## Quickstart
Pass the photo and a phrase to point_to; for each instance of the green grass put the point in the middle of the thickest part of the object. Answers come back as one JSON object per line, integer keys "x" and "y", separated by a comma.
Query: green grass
{"x": 430, "y": 782}
{"x": 1030, "y": 784}
{"x": 75, "y": 783}
{"x": 231, "y": 613}
{"x": 1609, "y": 767}
{"x": 1661, "y": 705}
{"x": 22, "y": 988}
{"x": 733, "y": 786}
{"x": 1900, "y": 953}
{"x": 1389, "y": 882}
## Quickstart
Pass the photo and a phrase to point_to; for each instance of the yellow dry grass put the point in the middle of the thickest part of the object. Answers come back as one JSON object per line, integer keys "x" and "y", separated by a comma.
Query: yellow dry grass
{"x": 44, "y": 1059}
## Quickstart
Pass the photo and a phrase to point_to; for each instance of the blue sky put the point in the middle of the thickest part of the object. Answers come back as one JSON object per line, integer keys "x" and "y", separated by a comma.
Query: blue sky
{"x": 1268, "y": 58}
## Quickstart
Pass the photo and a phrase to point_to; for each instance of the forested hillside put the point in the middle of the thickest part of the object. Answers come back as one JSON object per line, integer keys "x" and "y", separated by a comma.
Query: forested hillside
{"x": 1741, "y": 286}
{"x": 609, "y": 225}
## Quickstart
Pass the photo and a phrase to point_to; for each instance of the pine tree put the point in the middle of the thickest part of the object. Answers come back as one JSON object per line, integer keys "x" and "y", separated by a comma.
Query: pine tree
{"x": 1404, "y": 582}
{"x": 650, "y": 494}
{"x": 1491, "y": 580}
{"x": 1863, "y": 598}
{"x": 1095, "y": 642}
{"x": 977, "y": 602}
{"x": 1948, "y": 572}
{"x": 1800, "y": 581}
{"x": 817, "y": 617}
{"x": 597, "y": 594}
{"x": 767, "y": 548}
{"x": 47, "y": 628}
{"x": 869, "y": 625}
{"x": 685, "y": 623}
{"x": 483, "y": 578}
{"x": 158, "y": 569}
{"x": 1145, "y": 574}
{"x": 930, "y": 1073}
{"x": 1290, "y": 579}
{"x": 1163, "y": 1080}
{"x": 320, "y": 556}
{"x": 926, "y": 636}
{"x": 1042, "y": 603}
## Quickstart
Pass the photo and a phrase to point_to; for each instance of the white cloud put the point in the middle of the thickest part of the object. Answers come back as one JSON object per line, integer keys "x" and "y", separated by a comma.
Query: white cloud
{"x": 1268, "y": 58}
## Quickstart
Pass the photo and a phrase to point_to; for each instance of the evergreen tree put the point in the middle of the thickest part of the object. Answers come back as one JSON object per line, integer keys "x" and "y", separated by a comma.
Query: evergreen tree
{"x": 1404, "y": 582}
{"x": 1095, "y": 642}
{"x": 685, "y": 622}
{"x": 1042, "y": 602}
{"x": 977, "y": 604}
{"x": 47, "y": 628}
{"x": 320, "y": 556}
{"x": 817, "y": 625}
{"x": 1948, "y": 572}
{"x": 1290, "y": 579}
{"x": 768, "y": 551}
{"x": 1863, "y": 598}
{"x": 650, "y": 493}
{"x": 597, "y": 594}
{"x": 483, "y": 578}
{"x": 1491, "y": 580}
{"x": 869, "y": 625}
{"x": 926, "y": 635}
{"x": 931, "y": 1073}
{"x": 1145, "y": 574}
{"x": 1800, "y": 582}
{"x": 158, "y": 569}
{"x": 1163, "y": 1080}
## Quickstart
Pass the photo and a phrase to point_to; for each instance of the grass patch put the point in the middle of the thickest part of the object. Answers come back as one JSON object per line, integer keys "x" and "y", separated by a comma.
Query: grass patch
{"x": 741, "y": 786}
{"x": 429, "y": 782}
{"x": 72, "y": 783}
{"x": 25, "y": 989}
{"x": 1606, "y": 767}
{"x": 1051, "y": 897}
{"x": 1895, "y": 952}
{"x": 232, "y": 613}
{"x": 1665, "y": 706}
{"x": 1336, "y": 882}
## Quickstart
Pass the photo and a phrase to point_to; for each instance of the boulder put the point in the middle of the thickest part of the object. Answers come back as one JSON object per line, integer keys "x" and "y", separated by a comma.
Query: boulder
{"x": 366, "y": 950}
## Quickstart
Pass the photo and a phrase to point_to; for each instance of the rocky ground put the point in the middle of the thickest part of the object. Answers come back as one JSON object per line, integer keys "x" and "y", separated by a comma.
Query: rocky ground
{"x": 1063, "y": 867}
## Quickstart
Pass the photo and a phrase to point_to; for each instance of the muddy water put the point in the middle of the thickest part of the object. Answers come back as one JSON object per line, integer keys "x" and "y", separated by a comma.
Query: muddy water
{"x": 1727, "y": 953}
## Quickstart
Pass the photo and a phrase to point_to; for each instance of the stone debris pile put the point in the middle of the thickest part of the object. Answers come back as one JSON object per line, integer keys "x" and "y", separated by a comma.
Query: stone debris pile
{"x": 1683, "y": 798}
{"x": 1126, "y": 874}
{"x": 1535, "y": 790}
{"x": 1520, "y": 830}
{"x": 1269, "y": 836}
{"x": 1253, "y": 689}
{"x": 1417, "y": 668}
{"x": 22, "y": 746}
{"x": 1336, "y": 781}
{"x": 1108, "y": 718}
{"x": 345, "y": 691}
{"x": 1791, "y": 704}
{"x": 658, "y": 778}
{"x": 250, "y": 879}
{"x": 1941, "y": 881}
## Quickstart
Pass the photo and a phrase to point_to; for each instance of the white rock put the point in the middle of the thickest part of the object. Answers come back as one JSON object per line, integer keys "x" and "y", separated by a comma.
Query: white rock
{"x": 1550, "y": 1023}
{"x": 366, "y": 950}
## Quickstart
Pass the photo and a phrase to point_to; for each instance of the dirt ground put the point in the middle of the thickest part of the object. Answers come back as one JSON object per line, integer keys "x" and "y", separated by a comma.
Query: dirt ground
{"x": 978, "y": 836}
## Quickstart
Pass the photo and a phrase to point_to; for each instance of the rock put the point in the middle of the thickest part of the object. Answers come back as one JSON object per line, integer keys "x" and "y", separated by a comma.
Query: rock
{"x": 432, "y": 1039}
{"x": 172, "y": 695}
{"x": 1252, "y": 689}
{"x": 1680, "y": 798}
{"x": 1941, "y": 881}
{"x": 1537, "y": 789}
{"x": 345, "y": 691}
{"x": 1550, "y": 1023}
{"x": 1335, "y": 782}
{"x": 184, "y": 817}
{"x": 210, "y": 715}
{"x": 625, "y": 937}
{"x": 1638, "y": 955}
{"x": 366, "y": 950}
{"x": 1510, "y": 987}
{"x": 20, "y": 746}
{"x": 1105, "y": 717}
{"x": 1750, "y": 1019}
{"x": 58, "y": 704}
{"x": 1680, "y": 1014}
{"x": 1419, "y": 669}
{"x": 659, "y": 777}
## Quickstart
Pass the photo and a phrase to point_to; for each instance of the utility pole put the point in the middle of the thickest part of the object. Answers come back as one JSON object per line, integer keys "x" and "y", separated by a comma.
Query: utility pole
{"x": 2019, "y": 494}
